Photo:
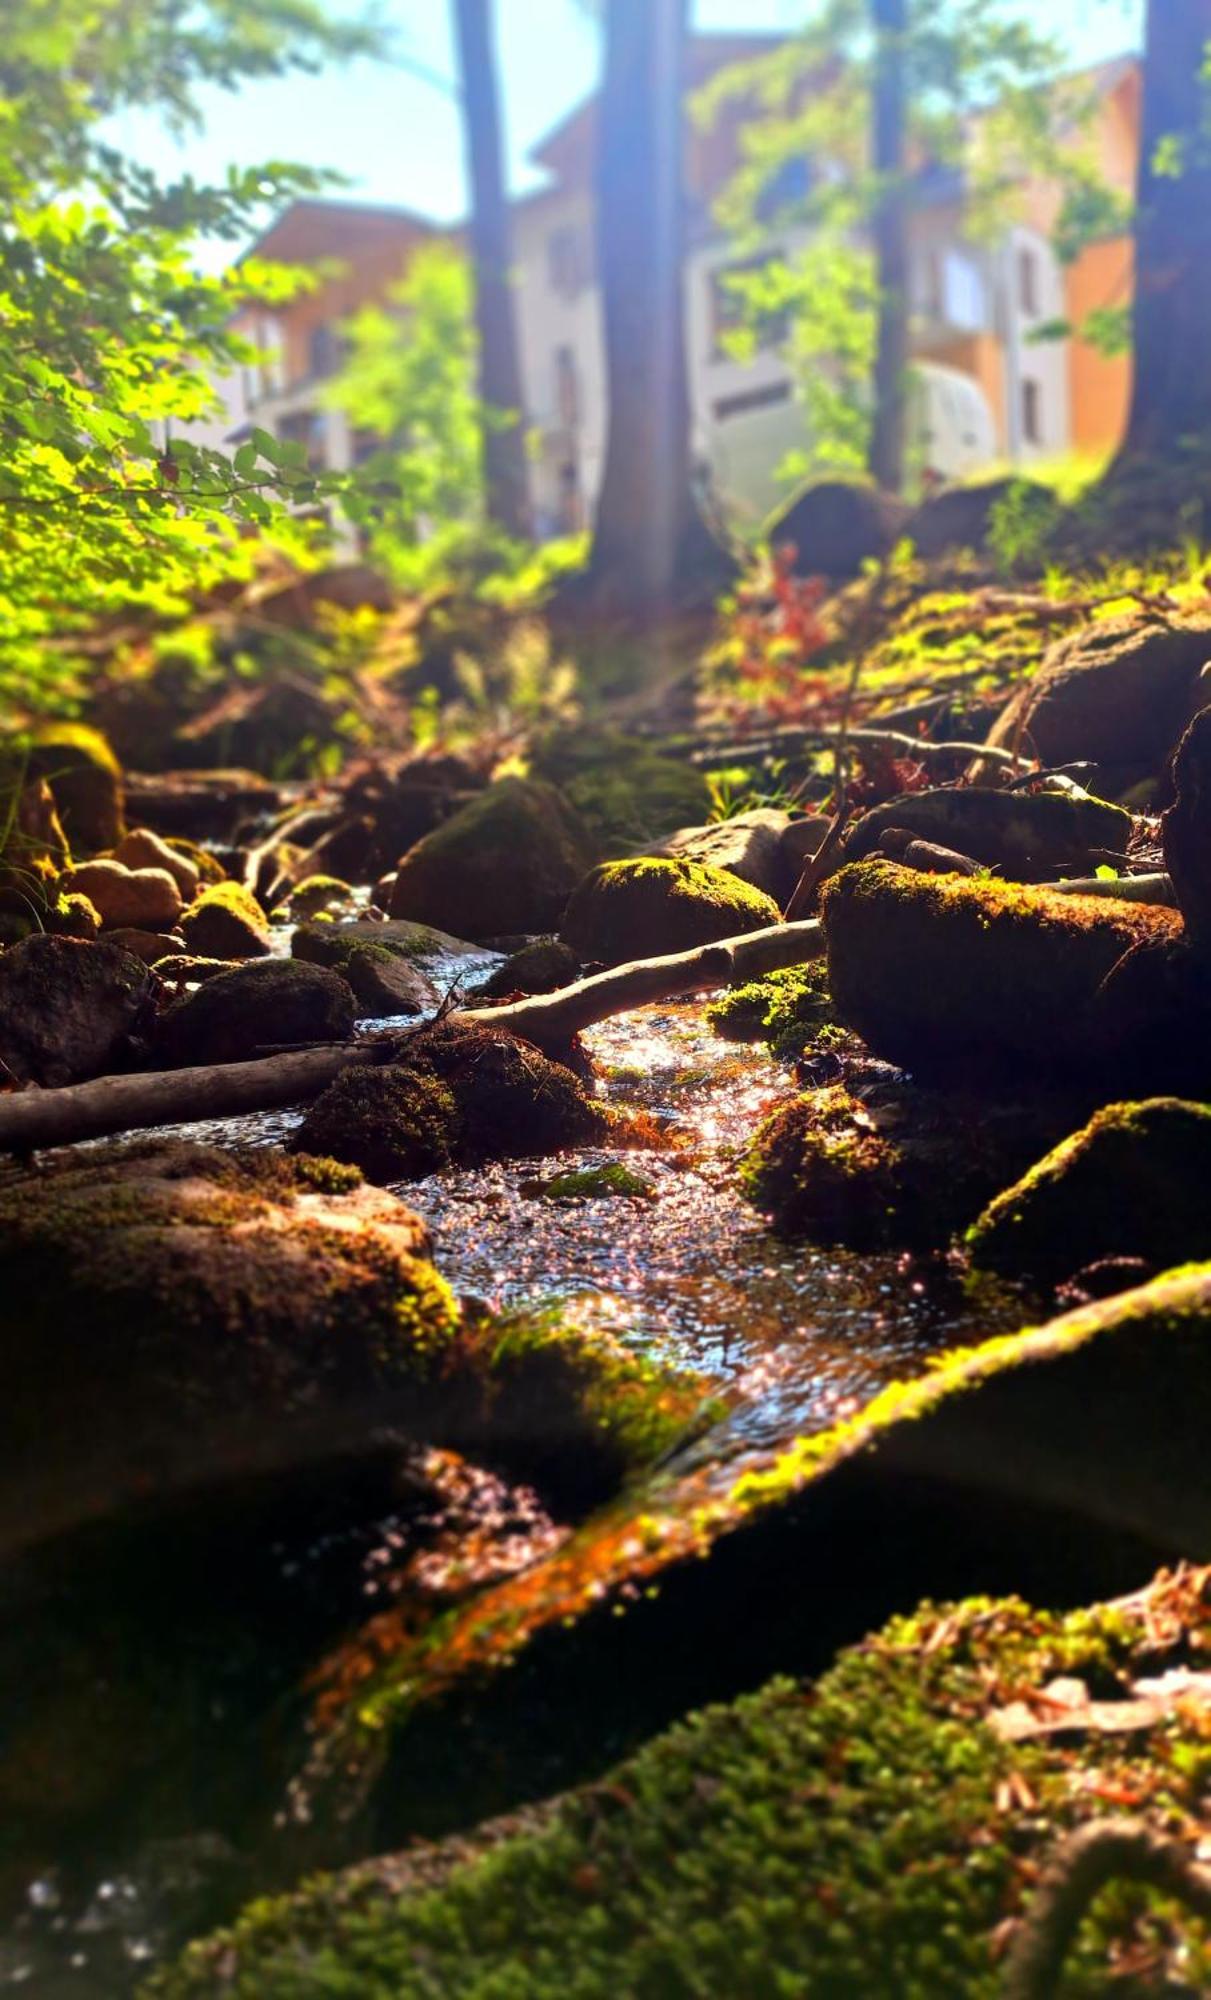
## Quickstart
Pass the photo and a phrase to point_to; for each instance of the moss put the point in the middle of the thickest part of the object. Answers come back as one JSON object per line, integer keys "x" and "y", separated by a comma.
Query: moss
{"x": 210, "y": 868}
{"x": 1131, "y": 1183}
{"x": 86, "y": 780}
{"x": 170, "y": 1309}
{"x": 869, "y": 1835}
{"x": 648, "y": 908}
{"x": 455, "y": 1094}
{"x": 394, "y": 1124}
{"x": 319, "y": 894}
{"x": 73, "y": 916}
{"x": 1062, "y": 1458}
{"x": 612, "y": 1182}
{"x": 226, "y": 921}
{"x": 505, "y": 864}
{"x": 541, "y": 967}
{"x": 951, "y": 974}
{"x": 786, "y": 1010}
{"x": 624, "y": 790}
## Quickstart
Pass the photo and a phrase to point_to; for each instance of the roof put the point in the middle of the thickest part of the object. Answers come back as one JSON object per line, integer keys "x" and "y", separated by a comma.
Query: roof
{"x": 707, "y": 53}
{"x": 313, "y": 227}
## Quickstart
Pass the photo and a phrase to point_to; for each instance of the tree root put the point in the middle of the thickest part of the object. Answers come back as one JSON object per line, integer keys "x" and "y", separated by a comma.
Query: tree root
{"x": 1105, "y": 1851}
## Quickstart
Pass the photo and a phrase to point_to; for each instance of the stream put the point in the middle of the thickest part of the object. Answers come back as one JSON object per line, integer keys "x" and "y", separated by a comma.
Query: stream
{"x": 177, "y": 1647}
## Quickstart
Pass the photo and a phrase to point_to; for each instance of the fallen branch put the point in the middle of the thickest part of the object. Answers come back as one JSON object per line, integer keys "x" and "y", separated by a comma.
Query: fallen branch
{"x": 33, "y": 1118}
{"x": 553, "y": 1020}
{"x": 1104, "y": 1851}
{"x": 891, "y": 741}
{"x": 30, "y": 1119}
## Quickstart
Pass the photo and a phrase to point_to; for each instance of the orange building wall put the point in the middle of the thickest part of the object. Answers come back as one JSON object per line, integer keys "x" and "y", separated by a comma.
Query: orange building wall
{"x": 1099, "y": 384}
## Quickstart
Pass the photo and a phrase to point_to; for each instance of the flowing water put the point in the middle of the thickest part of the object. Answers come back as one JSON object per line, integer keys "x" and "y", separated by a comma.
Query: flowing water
{"x": 197, "y": 1635}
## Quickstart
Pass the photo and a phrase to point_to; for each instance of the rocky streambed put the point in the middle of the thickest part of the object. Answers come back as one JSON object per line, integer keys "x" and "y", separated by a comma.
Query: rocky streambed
{"x": 157, "y": 1665}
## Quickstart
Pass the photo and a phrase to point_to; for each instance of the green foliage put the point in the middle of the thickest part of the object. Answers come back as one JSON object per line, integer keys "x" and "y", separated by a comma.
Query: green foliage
{"x": 871, "y": 1835}
{"x": 107, "y": 331}
{"x": 787, "y": 1010}
{"x": 1021, "y": 525}
{"x": 411, "y": 380}
{"x": 982, "y": 98}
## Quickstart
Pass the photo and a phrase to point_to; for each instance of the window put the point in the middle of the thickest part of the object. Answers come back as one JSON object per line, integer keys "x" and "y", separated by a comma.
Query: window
{"x": 951, "y": 290}
{"x": 1032, "y": 412}
{"x": 567, "y": 388}
{"x": 569, "y": 261}
{"x": 752, "y": 399}
{"x": 1028, "y": 283}
{"x": 305, "y": 427}
{"x": 323, "y": 352}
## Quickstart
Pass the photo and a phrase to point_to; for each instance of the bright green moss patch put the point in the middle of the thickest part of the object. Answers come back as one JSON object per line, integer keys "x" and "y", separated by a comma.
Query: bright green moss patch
{"x": 786, "y": 1009}
{"x": 867, "y": 1836}
{"x": 226, "y": 921}
{"x": 1131, "y": 1183}
{"x": 612, "y": 1182}
{"x": 651, "y": 907}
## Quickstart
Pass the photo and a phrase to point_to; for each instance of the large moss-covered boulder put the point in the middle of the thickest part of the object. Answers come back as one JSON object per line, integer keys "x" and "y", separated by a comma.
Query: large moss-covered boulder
{"x": 895, "y": 1167}
{"x": 254, "y": 1009}
{"x": 506, "y": 864}
{"x": 652, "y": 907}
{"x": 457, "y": 1093}
{"x": 86, "y": 780}
{"x": 1132, "y": 1183}
{"x": 69, "y": 1010}
{"x": 1026, "y": 835}
{"x": 945, "y": 973}
{"x": 226, "y": 921}
{"x": 873, "y": 1834}
{"x": 626, "y": 793}
{"x": 1065, "y": 1462}
{"x": 836, "y": 527}
{"x": 173, "y": 1313}
{"x": 1117, "y": 694}
{"x": 963, "y": 518}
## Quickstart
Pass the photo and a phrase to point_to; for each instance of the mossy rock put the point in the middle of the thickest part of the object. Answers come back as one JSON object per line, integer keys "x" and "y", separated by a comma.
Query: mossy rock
{"x": 332, "y": 944}
{"x": 1066, "y": 1461}
{"x": 1132, "y": 1183}
{"x": 613, "y": 1182}
{"x": 867, "y": 1835}
{"x": 86, "y": 780}
{"x": 1026, "y": 836}
{"x": 1118, "y": 694}
{"x": 226, "y": 921}
{"x": 627, "y": 793}
{"x": 174, "y": 1313}
{"x": 255, "y": 1009}
{"x": 786, "y": 1010}
{"x": 836, "y": 527}
{"x": 651, "y": 908}
{"x": 541, "y": 967}
{"x": 963, "y": 519}
{"x": 457, "y": 1094}
{"x": 319, "y": 893}
{"x": 897, "y": 1167}
{"x": 949, "y": 974}
{"x": 69, "y": 1010}
{"x": 505, "y": 865}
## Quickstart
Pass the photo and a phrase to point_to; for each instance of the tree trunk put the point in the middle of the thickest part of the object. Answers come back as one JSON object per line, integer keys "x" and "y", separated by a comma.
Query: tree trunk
{"x": 889, "y": 131}
{"x": 1171, "y": 402}
{"x": 505, "y": 476}
{"x": 651, "y": 541}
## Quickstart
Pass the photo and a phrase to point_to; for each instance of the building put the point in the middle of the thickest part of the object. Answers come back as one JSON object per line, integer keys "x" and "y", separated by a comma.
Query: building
{"x": 987, "y": 391}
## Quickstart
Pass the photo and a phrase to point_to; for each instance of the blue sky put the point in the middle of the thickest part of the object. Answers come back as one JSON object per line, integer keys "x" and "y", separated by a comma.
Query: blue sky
{"x": 397, "y": 139}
